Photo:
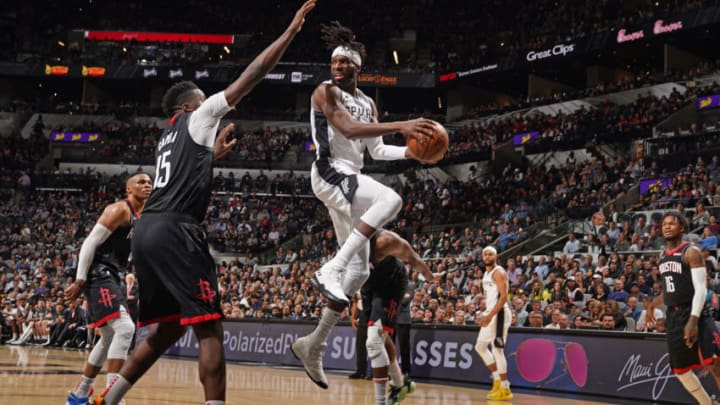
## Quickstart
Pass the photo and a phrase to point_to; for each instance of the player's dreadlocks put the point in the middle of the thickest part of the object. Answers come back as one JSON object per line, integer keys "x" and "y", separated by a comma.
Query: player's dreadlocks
{"x": 336, "y": 34}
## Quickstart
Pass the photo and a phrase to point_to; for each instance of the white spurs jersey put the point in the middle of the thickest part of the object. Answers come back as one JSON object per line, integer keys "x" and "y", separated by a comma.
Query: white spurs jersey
{"x": 490, "y": 288}
{"x": 344, "y": 154}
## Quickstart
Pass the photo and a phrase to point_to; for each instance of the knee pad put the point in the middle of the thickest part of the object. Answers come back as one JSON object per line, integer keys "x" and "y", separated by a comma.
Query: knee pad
{"x": 124, "y": 330}
{"x": 99, "y": 353}
{"x": 375, "y": 344}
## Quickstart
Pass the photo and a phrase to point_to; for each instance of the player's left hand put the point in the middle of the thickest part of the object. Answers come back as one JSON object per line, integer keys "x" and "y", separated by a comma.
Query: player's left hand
{"x": 691, "y": 331}
{"x": 485, "y": 320}
{"x": 438, "y": 276}
{"x": 222, "y": 145}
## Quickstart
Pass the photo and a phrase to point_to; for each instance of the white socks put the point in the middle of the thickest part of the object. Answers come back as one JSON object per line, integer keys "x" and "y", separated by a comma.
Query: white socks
{"x": 352, "y": 245}
{"x": 83, "y": 387}
{"x": 117, "y": 388}
{"x": 380, "y": 391}
{"x": 395, "y": 373}
{"x": 327, "y": 321}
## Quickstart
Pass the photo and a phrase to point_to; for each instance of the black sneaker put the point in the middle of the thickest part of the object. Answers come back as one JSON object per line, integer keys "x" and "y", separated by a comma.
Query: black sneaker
{"x": 357, "y": 376}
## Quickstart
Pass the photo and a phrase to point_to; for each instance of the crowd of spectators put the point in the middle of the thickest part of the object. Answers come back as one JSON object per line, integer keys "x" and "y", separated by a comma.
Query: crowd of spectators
{"x": 555, "y": 291}
{"x": 592, "y": 285}
{"x": 606, "y": 122}
{"x": 643, "y": 78}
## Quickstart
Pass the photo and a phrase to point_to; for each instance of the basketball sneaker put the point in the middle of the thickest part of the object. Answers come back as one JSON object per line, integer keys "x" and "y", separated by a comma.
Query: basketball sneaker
{"x": 311, "y": 354}
{"x": 495, "y": 388}
{"x": 398, "y": 394}
{"x": 73, "y": 399}
{"x": 503, "y": 394}
{"x": 328, "y": 280}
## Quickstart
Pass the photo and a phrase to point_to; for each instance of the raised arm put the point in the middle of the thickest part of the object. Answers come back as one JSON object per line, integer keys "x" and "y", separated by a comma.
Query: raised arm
{"x": 266, "y": 61}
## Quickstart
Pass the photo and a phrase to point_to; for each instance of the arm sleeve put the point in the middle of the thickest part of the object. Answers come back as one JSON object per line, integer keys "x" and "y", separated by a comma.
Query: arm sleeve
{"x": 379, "y": 151}
{"x": 699, "y": 283}
{"x": 98, "y": 235}
{"x": 205, "y": 120}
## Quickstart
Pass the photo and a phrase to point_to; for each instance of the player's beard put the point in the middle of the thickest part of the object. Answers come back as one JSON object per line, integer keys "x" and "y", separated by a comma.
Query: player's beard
{"x": 347, "y": 82}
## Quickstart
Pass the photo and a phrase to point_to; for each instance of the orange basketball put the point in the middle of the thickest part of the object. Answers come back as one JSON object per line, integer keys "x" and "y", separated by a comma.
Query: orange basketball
{"x": 430, "y": 149}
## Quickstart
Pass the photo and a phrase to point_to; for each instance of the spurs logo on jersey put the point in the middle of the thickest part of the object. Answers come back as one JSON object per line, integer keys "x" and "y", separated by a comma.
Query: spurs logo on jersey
{"x": 359, "y": 111}
{"x": 345, "y": 185}
{"x": 344, "y": 154}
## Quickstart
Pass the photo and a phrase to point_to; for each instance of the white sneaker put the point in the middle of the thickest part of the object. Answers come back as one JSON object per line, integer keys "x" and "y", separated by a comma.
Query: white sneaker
{"x": 328, "y": 280}
{"x": 311, "y": 356}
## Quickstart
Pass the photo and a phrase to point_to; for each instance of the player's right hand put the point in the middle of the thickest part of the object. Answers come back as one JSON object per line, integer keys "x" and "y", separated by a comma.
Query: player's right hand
{"x": 354, "y": 323}
{"x": 72, "y": 293}
{"x": 419, "y": 128}
{"x": 299, "y": 20}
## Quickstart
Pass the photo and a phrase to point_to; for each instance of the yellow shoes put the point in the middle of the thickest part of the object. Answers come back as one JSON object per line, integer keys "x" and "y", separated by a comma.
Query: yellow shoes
{"x": 495, "y": 388}
{"x": 498, "y": 393}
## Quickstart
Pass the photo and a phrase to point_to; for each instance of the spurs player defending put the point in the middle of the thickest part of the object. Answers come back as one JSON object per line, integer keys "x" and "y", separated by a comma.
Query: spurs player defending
{"x": 494, "y": 326}
{"x": 344, "y": 125}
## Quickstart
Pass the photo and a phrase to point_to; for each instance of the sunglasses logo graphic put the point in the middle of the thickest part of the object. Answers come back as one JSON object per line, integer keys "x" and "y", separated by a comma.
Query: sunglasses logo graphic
{"x": 536, "y": 359}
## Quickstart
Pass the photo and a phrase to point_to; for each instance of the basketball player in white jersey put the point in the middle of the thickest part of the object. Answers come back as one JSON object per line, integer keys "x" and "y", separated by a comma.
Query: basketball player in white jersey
{"x": 494, "y": 325}
{"x": 344, "y": 124}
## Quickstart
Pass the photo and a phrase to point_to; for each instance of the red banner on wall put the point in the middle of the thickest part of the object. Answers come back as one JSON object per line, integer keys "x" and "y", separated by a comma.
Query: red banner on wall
{"x": 121, "y": 36}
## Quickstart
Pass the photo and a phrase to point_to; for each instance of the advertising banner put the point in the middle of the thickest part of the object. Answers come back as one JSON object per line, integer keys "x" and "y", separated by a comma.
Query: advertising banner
{"x": 651, "y": 29}
{"x": 525, "y": 137}
{"x": 618, "y": 364}
{"x": 77, "y": 137}
{"x": 285, "y": 75}
{"x": 123, "y": 36}
{"x": 554, "y": 52}
{"x": 708, "y": 102}
{"x": 654, "y": 185}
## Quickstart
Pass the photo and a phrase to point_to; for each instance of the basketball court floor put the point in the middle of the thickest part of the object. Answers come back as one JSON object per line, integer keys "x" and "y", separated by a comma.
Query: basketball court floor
{"x": 34, "y": 375}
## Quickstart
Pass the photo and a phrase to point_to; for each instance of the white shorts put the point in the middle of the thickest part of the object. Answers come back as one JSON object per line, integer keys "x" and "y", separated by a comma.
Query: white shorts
{"x": 336, "y": 190}
{"x": 489, "y": 333}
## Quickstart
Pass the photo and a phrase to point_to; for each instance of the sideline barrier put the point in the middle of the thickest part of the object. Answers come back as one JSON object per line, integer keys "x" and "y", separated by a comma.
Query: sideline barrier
{"x": 616, "y": 364}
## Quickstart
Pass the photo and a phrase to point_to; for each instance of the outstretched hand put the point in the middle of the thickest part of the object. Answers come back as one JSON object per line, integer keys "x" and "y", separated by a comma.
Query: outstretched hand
{"x": 422, "y": 130}
{"x": 299, "y": 19}
{"x": 222, "y": 145}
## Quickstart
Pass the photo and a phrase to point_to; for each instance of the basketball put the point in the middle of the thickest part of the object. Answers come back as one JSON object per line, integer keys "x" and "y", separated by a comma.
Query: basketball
{"x": 430, "y": 149}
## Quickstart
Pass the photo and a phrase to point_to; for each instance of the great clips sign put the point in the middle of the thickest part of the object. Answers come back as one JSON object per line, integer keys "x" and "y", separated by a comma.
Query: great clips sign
{"x": 558, "y": 50}
{"x": 658, "y": 27}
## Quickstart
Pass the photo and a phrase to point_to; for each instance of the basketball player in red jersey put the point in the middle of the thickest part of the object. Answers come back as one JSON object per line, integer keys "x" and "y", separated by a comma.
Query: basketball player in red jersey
{"x": 690, "y": 328}
{"x": 103, "y": 256}
{"x": 176, "y": 274}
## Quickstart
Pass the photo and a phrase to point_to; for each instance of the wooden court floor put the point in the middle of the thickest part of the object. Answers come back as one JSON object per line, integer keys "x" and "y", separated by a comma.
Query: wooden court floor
{"x": 34, "y": 375}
